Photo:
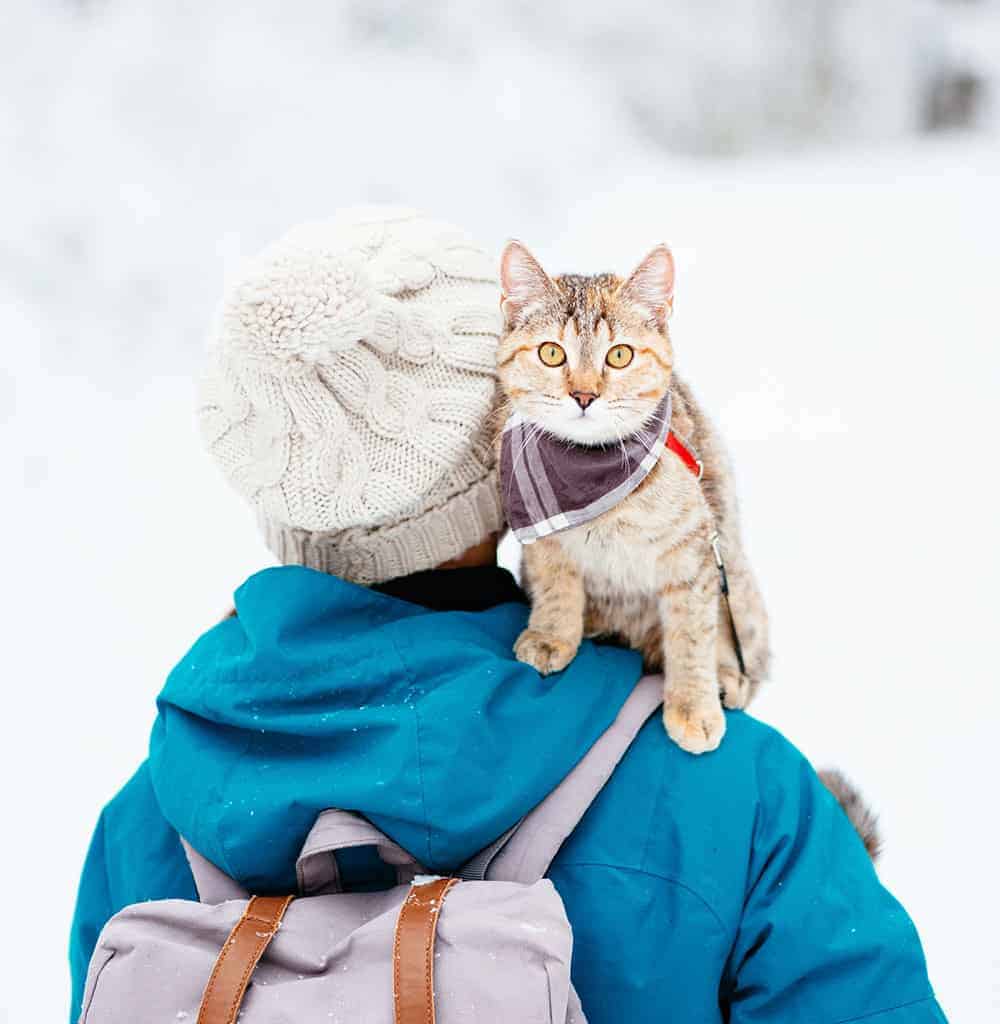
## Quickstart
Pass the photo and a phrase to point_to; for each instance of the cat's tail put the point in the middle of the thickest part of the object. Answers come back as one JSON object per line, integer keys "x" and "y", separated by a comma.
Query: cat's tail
{"x": 859, "y": 813}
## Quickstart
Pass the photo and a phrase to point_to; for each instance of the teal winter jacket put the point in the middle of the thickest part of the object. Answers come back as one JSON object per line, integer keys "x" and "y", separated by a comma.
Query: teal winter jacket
{"x": 727, "y": 887}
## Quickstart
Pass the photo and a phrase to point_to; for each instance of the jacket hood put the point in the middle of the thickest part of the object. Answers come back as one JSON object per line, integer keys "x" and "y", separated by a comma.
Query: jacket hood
{"x": 321, "y": 693}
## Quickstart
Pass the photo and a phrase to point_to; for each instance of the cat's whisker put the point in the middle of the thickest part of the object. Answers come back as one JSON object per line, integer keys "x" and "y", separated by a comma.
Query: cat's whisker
{"x": 646, "y": 438}
{"x": 621, "y": 439}
{"x": 534, "y": 429}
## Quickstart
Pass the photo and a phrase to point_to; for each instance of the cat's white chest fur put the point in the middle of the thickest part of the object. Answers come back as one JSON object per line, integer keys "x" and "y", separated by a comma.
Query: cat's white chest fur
{"x": 599, "y": 551}
{"x": 629, "y": 548}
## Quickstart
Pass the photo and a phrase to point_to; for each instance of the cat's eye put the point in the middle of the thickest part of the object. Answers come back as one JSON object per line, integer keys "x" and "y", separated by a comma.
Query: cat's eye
{"x": 551, "y": 354}
{"x": 620, "y": 356}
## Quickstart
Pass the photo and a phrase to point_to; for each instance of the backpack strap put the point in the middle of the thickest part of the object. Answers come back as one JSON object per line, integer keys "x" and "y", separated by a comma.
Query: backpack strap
{"x": 524, "y": 852}
{"x": 212, "y": 883}
{"x": 476, "y": 869}
{"x": 413, "y": 951}
{"x": 335, "y": 830}
{"x": 230, "y": 977}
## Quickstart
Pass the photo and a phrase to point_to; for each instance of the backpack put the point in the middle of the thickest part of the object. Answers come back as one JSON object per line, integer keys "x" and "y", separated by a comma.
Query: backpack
{"x": 491, "y": 944}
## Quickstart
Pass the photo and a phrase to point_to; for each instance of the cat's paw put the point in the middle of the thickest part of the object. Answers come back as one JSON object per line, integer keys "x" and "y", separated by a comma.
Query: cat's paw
{"x": 734, "y": 687}
{"x": 546, "y": 653}
{"x": 695, "y": 726}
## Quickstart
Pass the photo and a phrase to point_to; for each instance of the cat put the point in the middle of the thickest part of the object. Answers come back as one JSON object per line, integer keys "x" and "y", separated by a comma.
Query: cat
{"x": 588, "y": 361}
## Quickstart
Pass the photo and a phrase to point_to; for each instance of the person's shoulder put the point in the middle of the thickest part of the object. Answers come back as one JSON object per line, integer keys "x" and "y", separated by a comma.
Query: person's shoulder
{"x": 771, "y": 776}
{"x": 756, "y": 777}
{"x": 753, "y": 757}
{"x": 134, "y": 802}
{"x": 143, "y": 855}
{"x": 705, "y": 818}
{"x": 749, "y": 741}
{"x": 132, "y": 817}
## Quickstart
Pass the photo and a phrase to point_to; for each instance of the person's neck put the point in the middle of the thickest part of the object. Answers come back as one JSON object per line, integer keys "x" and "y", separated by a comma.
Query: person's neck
{"x": 484, "y": 553}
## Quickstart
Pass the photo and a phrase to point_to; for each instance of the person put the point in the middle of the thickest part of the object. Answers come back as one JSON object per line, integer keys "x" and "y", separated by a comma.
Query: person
{"x": 349, "y": 398}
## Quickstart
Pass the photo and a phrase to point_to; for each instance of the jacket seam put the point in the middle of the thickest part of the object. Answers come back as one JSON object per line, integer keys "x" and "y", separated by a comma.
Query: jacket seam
{"x": 670, "y": 879}
{"x": 888, "y": 1009}
{"x": 644, "y": 858}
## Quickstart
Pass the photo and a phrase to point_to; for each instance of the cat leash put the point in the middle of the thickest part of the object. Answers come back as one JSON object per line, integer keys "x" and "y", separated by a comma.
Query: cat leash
{"x": 724, "y": 587}
{"x": 693, "y": 463}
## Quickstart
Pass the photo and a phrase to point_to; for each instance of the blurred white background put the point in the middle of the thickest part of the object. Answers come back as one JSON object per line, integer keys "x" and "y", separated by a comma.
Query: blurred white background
{"x": 826, "y": 171}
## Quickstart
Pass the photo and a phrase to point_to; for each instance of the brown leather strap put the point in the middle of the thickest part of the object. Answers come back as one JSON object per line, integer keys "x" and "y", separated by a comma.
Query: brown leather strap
{"x": 413, "y": 952}
{"x": 243, "y": 949}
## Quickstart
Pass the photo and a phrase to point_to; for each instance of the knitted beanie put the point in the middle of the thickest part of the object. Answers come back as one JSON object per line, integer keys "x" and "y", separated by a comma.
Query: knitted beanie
{"x": 351, "y": 379}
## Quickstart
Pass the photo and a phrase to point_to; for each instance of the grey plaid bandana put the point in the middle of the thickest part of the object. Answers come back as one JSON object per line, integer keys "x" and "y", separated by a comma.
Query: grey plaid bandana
{"x": 549, "y": 484}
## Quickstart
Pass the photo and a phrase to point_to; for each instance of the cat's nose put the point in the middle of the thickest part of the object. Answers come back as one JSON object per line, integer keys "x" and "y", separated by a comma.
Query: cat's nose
{"x": 583, "y": 398}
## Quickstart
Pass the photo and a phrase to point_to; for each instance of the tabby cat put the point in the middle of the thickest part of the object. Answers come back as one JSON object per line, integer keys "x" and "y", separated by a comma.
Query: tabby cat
{"x": 588, "y": 361}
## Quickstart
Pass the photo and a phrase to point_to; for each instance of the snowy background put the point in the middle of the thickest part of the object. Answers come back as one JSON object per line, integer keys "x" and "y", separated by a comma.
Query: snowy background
{"x": 827, "y": 172}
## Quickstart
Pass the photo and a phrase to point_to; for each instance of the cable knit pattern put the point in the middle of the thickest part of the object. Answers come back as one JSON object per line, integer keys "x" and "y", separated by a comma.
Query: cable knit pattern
{"x": 351, "y": 375}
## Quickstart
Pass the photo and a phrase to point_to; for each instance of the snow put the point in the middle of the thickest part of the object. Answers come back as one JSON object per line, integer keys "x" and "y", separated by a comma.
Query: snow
{"x": 835, "y": 312}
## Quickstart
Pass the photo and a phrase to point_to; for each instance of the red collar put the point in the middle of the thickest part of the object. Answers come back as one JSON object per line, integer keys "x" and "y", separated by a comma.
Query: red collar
{"x": 684, "y": 453}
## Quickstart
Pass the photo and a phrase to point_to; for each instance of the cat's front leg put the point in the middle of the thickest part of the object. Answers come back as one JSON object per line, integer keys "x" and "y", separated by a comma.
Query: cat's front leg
{"x": 689, "y": 609}
{"x": 555, "y": 627}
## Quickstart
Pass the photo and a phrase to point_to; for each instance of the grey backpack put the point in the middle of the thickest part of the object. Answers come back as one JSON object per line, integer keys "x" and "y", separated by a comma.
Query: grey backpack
{"x": 491, "y": 945}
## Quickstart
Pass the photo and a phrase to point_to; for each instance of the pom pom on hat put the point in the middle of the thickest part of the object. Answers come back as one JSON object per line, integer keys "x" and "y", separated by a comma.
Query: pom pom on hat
{"x": 351, "y": 381}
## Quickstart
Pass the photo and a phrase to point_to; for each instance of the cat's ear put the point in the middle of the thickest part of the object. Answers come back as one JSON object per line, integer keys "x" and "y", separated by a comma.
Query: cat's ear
{"x": 525, "y": 286}
{"x": 651, "y": 286}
